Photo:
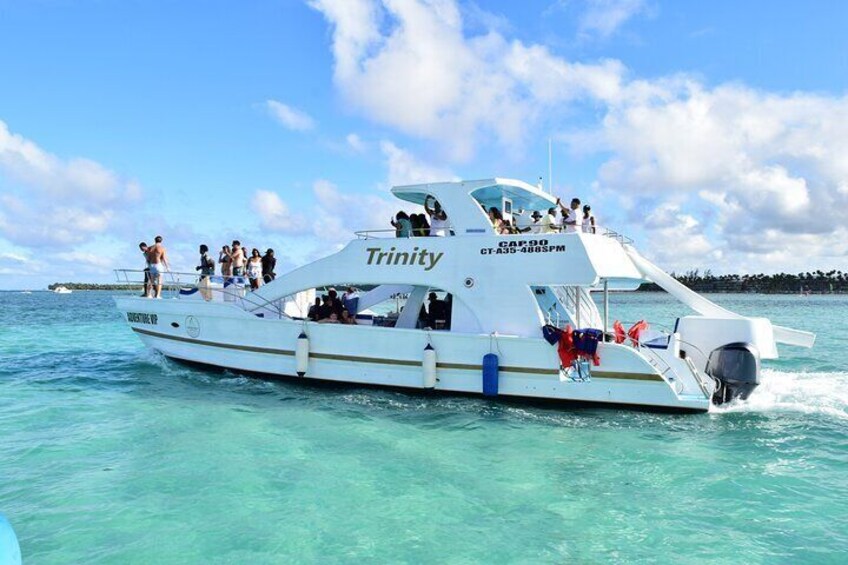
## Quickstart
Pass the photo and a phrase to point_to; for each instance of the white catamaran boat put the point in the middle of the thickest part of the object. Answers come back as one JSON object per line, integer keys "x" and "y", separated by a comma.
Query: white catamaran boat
{"x": 518, "y": 317}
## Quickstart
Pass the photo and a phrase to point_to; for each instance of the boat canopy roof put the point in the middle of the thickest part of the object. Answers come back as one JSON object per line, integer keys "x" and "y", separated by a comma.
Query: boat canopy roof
{"x": 462, "y": 200}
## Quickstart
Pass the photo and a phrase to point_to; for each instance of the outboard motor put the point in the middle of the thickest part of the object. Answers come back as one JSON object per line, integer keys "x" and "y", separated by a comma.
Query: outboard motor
{"x": 736, "y": 370}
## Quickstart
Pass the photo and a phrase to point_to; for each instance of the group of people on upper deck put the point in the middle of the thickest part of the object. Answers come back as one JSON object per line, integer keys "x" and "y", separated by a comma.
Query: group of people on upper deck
{"x": 417, "y": 225}
{"x": 573, "y": 218}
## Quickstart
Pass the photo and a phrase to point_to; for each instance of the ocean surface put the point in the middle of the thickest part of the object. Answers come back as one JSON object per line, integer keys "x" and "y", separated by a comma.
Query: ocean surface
{"x": 111, "y": 454}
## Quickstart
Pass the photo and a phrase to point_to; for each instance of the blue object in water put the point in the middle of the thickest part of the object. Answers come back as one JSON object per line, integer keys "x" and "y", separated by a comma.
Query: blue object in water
{"x": 490, "y": 374}
{"x": 10, "y": 551}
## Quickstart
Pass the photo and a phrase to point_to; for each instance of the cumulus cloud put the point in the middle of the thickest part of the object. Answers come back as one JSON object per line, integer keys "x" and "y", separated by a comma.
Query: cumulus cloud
{"x": 761, "y": 166}
{"x": 602, "y": 18}
{"x": 336, "y": 213}
{"x": 289, "y": 117}
{"x": 405, "y": 168}
{"x": 355, "y": 142}
{"x": 48, "y": 200}
{"x": 275, "y": 214}
{"x": 408, "y": 65}
{"x": 341, "y": 211}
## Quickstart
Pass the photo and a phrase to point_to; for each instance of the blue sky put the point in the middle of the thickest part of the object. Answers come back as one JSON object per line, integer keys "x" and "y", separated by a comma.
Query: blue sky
{"x": 715, "y": 133}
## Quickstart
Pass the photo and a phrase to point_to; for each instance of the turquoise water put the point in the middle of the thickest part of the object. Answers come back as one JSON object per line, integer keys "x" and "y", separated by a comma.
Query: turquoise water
{"x": 111, "y": 454}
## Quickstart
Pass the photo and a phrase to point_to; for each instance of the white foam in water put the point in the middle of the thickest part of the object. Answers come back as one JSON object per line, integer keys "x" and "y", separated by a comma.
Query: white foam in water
{"x": 811, "y": 393}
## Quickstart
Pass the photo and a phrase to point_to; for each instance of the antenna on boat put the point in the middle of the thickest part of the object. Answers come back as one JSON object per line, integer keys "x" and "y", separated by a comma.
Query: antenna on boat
{"x": 550, "y": 168}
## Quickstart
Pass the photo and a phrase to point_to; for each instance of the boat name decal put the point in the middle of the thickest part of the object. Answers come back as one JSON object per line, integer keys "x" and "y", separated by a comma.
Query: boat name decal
{"x": 522, "y": 246}
{"x": 142, "y": 318}
{"x": 420, "y": 257}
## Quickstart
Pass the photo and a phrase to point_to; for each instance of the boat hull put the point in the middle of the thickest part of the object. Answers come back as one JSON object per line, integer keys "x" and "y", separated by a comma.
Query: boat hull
{"x": 226, "y": 337}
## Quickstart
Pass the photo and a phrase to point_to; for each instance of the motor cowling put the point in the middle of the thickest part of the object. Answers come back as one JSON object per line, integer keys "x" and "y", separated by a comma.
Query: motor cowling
{"x": 736, "y": 370}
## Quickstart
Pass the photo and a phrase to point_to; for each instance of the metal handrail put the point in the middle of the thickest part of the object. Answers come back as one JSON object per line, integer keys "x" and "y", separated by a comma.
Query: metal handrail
{"x": 619, "y": 237}
{"x": 390, "y": 233}
{"x": 176, "y": 283}
{"x": 369, "y": 234}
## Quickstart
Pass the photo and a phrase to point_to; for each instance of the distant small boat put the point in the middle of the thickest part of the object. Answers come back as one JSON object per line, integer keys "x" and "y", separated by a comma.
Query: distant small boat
{"x": 62, "y": 290}
{"x": 26, "y": 292}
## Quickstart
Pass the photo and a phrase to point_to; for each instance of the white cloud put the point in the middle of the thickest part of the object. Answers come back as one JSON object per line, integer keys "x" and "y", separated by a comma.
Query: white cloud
{"x": 274, "y": 214}
{"x": 335, "y": 214}
{"x": 603, "y": 18}
{"x": 408, "y": 65}
{"x": 47, "y": 200}
{"x": 764, "y": 168}
{"x": 97, "y": 261}
{"x": 289, "y": 117}
{"x": 405, "y": 168}
{"x": 677, "y": 240}
{"x": 355, "y": 142}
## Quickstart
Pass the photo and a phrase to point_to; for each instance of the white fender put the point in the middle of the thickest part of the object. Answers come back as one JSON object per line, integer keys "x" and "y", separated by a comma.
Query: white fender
{"x": 429, "y": 367}
{"x": 301, "y": 354}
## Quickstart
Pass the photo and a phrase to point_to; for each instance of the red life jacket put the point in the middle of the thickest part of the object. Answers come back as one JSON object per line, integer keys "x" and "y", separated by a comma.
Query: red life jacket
{"x": 619, "y": 332}
{"x": 567, "y": 352}
{"x": 637, "y": 329}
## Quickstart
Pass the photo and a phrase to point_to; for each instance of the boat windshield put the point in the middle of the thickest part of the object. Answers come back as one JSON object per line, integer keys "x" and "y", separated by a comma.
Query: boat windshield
{"x": 519, "y": 197}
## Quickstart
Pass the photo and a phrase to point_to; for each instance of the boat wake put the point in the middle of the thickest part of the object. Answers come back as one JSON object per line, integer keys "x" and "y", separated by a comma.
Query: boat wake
{"x": 810, "y": 393}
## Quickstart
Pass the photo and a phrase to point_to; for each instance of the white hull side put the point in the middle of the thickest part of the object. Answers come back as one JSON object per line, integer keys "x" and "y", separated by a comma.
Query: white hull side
{"x": 227, "y": 337}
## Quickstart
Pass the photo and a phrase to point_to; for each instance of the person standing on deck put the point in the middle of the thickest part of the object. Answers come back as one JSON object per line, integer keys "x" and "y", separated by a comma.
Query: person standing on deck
{"x": 238, "y": 259}
{"x": 225, "y": 259}
{"x": 588, "y": 220}
{"x": 157, "y": 257}
{"x": 207, "y": 269}
{"x": 143, "y": 247}
{"x": 549, "y": 222}
{"x": 269, "y": 263}
{"x": 439, "y": 225}
{"x": 402, "y": 225}
{"x": 572, "y": 219}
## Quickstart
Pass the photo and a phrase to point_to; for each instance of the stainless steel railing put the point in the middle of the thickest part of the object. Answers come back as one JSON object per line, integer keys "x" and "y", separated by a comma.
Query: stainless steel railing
{"x": 390, "y": 233}
{"x": 234, "y": 289}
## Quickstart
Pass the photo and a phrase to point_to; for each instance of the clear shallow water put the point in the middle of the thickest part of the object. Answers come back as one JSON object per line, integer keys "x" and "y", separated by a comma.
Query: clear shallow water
{"x": 109, "y": 453}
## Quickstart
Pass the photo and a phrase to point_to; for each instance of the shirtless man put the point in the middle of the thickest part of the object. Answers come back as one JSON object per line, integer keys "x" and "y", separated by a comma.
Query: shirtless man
{"x": 157, "y": 257}
{"x": 238, "y": 259}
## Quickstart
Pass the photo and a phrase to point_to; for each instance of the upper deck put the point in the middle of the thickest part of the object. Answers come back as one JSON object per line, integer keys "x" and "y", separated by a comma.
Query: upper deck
{"x": 466, "y": 202}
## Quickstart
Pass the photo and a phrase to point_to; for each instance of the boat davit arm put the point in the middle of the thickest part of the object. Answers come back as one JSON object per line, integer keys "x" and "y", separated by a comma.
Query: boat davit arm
{"x": 705, "y": 307}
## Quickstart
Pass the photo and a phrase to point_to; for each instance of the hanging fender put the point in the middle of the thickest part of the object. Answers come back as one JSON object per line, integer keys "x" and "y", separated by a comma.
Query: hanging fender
{"x": 428, "y": 366}
{"x": 301, "y": 354}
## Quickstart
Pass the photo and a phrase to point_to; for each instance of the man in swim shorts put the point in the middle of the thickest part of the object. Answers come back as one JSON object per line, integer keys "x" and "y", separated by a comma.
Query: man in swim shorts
{"x": 157, "y": 257}
{"x": 239, "y": 259}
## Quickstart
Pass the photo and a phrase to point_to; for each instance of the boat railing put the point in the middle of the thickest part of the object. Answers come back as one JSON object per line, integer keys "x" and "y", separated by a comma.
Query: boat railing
{"x": 390, "y": 233}
{"x": 233, "y": 289}
{"x": 619, "y": 237}
{"x": 376, "y": 234}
